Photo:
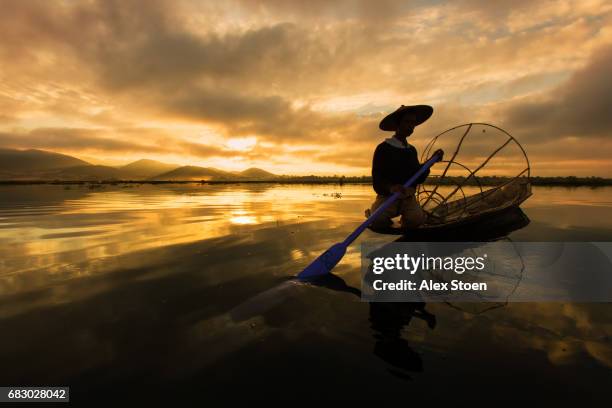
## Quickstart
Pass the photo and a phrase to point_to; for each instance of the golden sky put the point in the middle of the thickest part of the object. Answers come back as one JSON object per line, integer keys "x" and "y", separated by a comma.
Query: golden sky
{"x": 298, "y": 87}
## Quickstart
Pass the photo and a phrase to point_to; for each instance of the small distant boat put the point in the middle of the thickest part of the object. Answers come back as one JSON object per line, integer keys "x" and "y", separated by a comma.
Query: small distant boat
{"x": 491, "y": 213}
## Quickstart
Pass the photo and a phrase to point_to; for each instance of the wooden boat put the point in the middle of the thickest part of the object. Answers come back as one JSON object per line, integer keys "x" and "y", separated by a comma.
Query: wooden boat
{"x": 489, "y": 214}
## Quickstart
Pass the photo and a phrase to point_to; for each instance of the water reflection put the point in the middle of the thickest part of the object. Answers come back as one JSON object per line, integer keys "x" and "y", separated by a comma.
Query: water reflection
{"x": 243, "y": 219}
{"x": 43, "y": 234}
{"x": 387, "y": 321}
{"x": 139, "y": 288}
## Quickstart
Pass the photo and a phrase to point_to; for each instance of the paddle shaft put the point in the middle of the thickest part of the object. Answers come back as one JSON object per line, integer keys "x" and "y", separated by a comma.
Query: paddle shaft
{"x": 330, "y": 258}
{"x": 390, "y": 200}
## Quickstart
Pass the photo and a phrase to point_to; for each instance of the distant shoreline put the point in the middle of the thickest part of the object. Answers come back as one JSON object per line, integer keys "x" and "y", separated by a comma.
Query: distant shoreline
{"x": 483, "y": 181}
{"x": 23, "y": 167}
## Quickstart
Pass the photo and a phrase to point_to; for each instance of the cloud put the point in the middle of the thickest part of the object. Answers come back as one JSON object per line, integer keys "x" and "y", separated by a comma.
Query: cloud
{"x": 280, "y": 70}
{"x": 130, "y": 140}
{"x": 71, "y": 139}
{"x": 145, "y": 62}
{"x": 365, "y": 11}
{"x": 579, "y": 107}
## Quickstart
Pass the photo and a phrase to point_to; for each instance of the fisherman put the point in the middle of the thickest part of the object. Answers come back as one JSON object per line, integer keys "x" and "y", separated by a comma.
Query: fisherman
{"x": 394, "y": 162}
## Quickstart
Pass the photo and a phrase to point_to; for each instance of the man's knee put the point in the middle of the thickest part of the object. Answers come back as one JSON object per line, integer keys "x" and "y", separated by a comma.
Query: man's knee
{"x": 384, "y": 220}
{"x": 413, "y": 216}
{"x": 415, "y": 220}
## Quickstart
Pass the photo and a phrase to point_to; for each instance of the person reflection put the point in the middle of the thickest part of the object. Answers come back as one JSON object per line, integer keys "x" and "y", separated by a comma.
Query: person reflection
{"x": 387, "y": 320}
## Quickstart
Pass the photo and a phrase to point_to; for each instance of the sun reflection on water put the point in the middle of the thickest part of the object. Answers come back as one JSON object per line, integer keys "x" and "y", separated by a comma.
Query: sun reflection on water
{"x": 49, "y": 229}
{"x": 50, "y": 236}
{"x": 243, "y": 220}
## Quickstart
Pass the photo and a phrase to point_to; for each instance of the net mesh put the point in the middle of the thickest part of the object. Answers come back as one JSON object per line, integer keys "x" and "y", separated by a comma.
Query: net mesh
{"x": 486, "y": 170}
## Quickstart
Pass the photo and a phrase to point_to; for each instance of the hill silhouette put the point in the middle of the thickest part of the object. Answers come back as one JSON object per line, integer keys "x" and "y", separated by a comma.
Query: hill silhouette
{"x": 195, "y": 173}
{"x": 16, "y": 162}
{"x": 256, "y": 173}
{"x": 145, "y": 168}
{"x": 41, "y": 165}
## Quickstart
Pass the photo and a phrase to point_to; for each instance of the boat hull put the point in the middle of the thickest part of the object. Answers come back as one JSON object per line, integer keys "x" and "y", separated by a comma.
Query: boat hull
{"x": 483, "y": 227}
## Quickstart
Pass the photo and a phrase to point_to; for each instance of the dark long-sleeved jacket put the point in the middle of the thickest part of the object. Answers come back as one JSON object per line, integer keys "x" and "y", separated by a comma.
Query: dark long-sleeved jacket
{"x": 393, "y": 165}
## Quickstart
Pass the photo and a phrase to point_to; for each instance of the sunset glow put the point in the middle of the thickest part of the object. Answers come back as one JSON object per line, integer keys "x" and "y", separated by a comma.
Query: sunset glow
{"x": 299, "y": 87}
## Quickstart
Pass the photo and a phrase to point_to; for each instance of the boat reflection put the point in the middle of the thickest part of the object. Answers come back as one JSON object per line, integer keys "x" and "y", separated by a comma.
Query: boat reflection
{"x": 388, "y": 320}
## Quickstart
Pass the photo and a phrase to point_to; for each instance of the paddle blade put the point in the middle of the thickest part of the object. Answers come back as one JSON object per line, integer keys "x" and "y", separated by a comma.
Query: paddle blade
{"x": 325, "y": 262}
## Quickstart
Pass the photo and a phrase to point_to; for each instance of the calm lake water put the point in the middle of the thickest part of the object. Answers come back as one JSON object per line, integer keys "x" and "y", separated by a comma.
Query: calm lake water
{"x": 181, "y": 291}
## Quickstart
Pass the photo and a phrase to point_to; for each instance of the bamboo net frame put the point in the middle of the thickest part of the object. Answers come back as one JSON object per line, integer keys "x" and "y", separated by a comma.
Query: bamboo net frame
{"x": 462, "y": 207}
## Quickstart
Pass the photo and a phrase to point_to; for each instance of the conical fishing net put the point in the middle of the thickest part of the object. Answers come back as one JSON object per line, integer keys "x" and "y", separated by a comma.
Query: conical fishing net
{"x": 486, "y": 170}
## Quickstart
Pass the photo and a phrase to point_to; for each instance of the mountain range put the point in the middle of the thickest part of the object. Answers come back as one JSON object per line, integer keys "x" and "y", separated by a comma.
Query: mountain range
{"x": 35, "y": 164}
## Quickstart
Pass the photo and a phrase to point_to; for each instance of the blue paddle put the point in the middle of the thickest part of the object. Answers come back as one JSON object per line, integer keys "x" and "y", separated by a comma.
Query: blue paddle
{"x": 330, "y": 258}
